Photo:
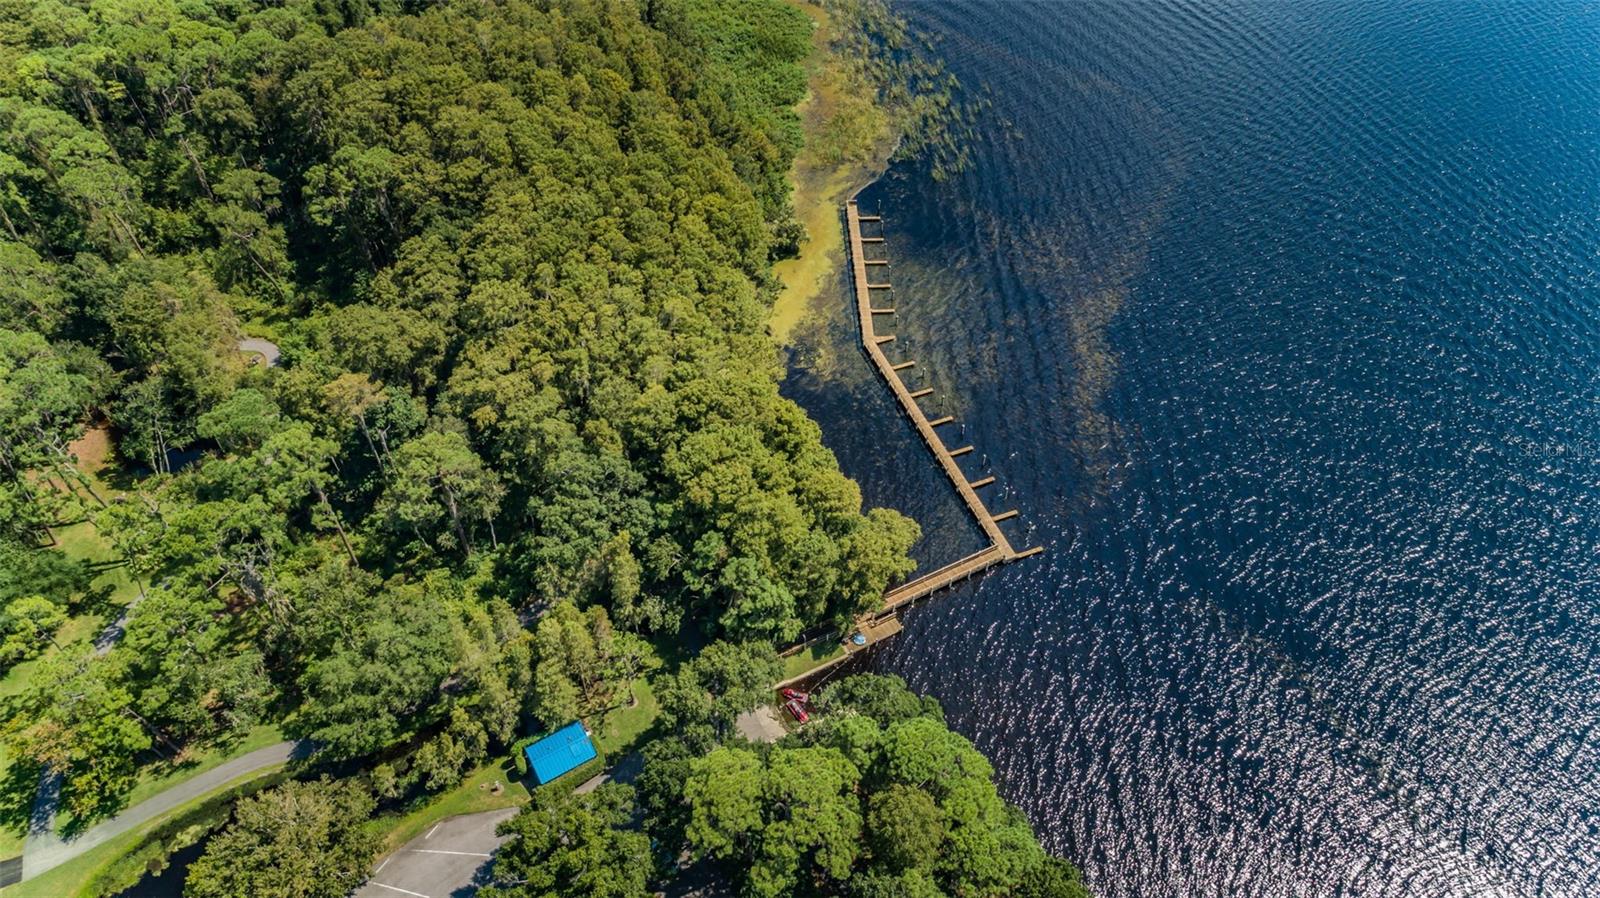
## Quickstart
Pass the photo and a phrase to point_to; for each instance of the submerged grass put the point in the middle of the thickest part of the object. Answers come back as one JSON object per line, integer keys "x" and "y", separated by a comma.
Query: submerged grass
{"x": 848, "y": 140}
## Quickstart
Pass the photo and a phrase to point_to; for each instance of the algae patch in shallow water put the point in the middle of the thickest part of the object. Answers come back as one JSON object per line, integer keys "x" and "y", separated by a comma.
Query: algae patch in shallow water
{"x": 875, "y": 92}
{"x": 848, "y": 141}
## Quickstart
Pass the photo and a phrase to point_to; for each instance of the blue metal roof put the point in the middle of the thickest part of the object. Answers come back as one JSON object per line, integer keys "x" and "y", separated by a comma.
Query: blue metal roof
{"x": 559, "y": 752}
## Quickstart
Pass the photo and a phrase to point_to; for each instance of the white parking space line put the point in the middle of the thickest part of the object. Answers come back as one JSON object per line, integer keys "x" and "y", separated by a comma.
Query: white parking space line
{"x": 442, "y": 851}
{"x": 431, "y": 831}
{"x": 382, "y": 865}
{"x": 395, "y": 888}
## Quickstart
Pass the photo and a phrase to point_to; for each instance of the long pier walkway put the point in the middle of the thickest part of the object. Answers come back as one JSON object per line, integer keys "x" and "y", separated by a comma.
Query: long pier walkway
{"x": 1000, "y": 549}
{"x": 879, "y": 625}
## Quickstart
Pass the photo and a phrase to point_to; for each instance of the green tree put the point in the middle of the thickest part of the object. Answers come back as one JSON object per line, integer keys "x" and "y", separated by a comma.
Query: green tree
{"x": 293, "y": 465}
{"x": 1052, "y": 877}
{"x": 43, "y": 403}
{"x": 191, "y": 665}
{"x": 885, "y": 699}
{"x": 788, "y": 820}
{"x": 724, "y": 680}
{"x": 440, "y": 490}
{"x": 573, "y": 846}
{"x": 583, "y": 664}
{"x": 851, "y": 807}
{"x": 907, "y": 828}
{"x": 384, "y": 678}
{"x": 30, "y": 624}
{"x": 907, "y": 884}
{"x": 32, "y": 295}
{"x": 77, "y": 719}
{"x": 522, "y": 293}
{"x": 241, "y": 422}
{"x": 299, "y": 840}
{"x": 922, "y": 752}
{"x": 442, "y": 760}
{"x": 26, "y": 571}
{"x": 813, "y": 819}
{"x": 724, "y": 791}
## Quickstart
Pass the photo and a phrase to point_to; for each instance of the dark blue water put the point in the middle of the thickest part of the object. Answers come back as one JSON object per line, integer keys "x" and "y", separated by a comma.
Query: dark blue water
{"x": 1280, "y": 324}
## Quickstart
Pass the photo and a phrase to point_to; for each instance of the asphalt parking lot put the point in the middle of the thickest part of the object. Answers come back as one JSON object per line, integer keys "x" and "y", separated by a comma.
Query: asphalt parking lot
{"x": 450, "y": 860}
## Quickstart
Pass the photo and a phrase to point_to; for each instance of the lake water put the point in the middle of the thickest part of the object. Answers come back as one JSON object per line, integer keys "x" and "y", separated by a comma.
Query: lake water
{"x": 1280, "y": 324}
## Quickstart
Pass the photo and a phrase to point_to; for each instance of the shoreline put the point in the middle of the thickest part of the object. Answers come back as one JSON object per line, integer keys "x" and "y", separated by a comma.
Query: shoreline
{"x": 860, "y": 141}
{"x": 820, "y": 187}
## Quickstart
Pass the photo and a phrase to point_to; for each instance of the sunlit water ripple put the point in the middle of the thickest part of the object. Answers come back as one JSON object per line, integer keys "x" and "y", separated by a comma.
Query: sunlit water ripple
{"x": 1280, "y": 324}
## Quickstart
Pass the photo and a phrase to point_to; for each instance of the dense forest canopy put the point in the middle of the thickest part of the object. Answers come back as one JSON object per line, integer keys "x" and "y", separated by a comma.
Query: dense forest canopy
{"x": 516, "y": 257}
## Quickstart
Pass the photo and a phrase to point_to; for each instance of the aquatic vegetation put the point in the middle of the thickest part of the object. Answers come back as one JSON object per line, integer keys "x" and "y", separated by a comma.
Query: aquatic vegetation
{"x": 927, "y": 107}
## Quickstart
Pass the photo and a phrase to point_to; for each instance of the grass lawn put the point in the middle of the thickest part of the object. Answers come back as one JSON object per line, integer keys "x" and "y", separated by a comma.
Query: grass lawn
{"x": 69, "y": 879}
{"x": 623, "y": 730}
{"x": 812, "y": 657}
{"x": 157, "y": 778}
{"x": 73, "y": 636}
{"x": 79, "y": 541}
{"x": 476, "y": 793}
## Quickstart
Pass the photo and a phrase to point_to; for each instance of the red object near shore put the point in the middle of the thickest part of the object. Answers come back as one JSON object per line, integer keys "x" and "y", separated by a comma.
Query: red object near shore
{"x": 796, "y": 710}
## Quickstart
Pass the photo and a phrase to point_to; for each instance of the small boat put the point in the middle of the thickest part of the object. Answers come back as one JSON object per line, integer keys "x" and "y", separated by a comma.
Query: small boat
{"x": 796, "y": 710}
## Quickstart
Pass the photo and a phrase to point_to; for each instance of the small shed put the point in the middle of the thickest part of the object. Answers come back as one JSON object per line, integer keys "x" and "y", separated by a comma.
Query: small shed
{"x": 560, "y": 752}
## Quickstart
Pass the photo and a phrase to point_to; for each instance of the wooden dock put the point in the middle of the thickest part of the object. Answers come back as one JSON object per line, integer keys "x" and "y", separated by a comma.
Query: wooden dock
{"x": 883, "y": 623}
{"x": 873, "y": 343}
{"x": 930, "y": 583}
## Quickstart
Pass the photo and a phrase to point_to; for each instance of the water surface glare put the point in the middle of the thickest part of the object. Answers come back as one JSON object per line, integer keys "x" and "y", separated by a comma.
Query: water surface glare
{"x": 1280, "y": 324}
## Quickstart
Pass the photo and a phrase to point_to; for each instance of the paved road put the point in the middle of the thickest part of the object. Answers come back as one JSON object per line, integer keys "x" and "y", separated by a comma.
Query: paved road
{"x": 450, "y": 860}
{"x": 264, "y": 348}
{"x": 46, "y": 850}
